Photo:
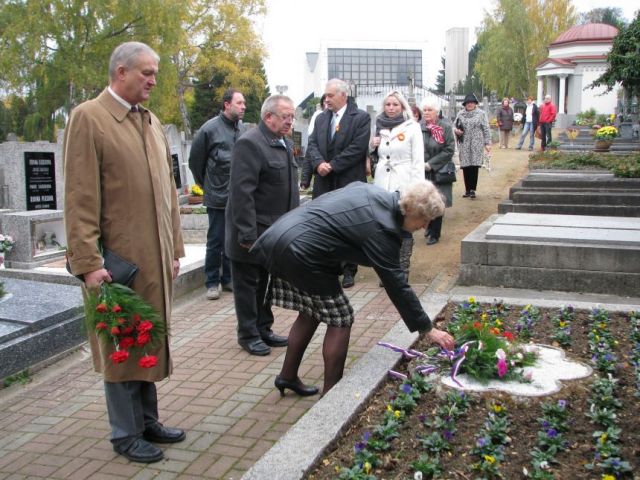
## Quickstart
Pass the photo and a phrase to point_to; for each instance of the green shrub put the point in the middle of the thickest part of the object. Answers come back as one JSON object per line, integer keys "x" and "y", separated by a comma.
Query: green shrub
{"x": 620, "y": 165}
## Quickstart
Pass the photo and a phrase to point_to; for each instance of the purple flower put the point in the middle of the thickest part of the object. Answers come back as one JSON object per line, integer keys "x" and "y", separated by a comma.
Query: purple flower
{"x": 562, "y": 403}
{"x": 447, "y": 435}
{"x": 545, "y": 424}
{"x": 552, "y": 433}
{"x": 481, "y": 442}
{"x": 422, "y": 417}
{"x": 502, "y": 367}
{"x": 406, "y": 388}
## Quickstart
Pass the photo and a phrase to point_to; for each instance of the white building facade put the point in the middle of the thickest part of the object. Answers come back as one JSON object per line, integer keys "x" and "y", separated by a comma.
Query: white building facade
{"x": 577, "y": 58}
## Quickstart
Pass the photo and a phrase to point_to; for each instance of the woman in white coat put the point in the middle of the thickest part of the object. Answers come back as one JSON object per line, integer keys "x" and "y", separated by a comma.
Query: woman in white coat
{"x": 398, "y": 152}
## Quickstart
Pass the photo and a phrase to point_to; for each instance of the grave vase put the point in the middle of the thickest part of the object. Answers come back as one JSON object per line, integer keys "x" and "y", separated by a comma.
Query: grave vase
{"x": 1, "y": 260}
{"x": 602, "y": 145}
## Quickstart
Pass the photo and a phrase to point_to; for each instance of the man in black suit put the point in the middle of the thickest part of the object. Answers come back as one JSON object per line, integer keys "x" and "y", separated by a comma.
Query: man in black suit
{"x": 263, "y": 186}
{"x": 338, "y": 148}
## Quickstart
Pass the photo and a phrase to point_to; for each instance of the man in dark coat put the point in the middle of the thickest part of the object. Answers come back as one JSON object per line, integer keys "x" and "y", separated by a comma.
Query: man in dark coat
{"x": 210, "y": 163}
{"x": 263, "y": 186}
{"x": 338, "y": 148}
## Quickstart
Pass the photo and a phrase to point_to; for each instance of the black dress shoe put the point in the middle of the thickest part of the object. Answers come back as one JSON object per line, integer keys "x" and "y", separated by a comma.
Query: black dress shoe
{"x": 255, "y": 347}
{"x": 158, "y": 433}
{"x": 274, "y": 340}
{"x": 141, "y": 451}
{"x": 432, "y": 241}
{"x": 466, "y": 194}
{"x": 297, "y": 386}
{"x": 348, "y": 281}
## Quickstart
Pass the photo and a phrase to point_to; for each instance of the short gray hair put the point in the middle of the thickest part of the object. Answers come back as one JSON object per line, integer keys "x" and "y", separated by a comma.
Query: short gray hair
{"x": 430, "y": 102}
{"x": 127, "y": 54}
{"x": 340, "y": 85}
{"x": 423, "y": 198}
{"x": 271, "y": 103}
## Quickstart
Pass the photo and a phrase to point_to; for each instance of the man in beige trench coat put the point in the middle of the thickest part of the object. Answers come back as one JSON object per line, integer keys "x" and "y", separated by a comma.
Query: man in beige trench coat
{"x": 120, "y": 192}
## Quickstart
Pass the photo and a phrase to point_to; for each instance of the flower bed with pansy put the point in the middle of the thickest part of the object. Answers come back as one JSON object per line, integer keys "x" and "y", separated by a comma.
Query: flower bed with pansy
{"x": 414, "y": 428}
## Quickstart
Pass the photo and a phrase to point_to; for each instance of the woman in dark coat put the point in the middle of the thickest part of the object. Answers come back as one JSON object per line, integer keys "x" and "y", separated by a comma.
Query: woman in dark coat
{"x": 439, "y": 146}
{"x": 504, "y": 116}
{"x": 304, "y": 252}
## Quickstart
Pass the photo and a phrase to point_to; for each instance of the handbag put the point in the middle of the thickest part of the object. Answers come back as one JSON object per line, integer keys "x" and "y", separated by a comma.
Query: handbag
{"x": 539, "y": 132}
{"x": 121, "y": 270}
{"x": 447, "y": 174}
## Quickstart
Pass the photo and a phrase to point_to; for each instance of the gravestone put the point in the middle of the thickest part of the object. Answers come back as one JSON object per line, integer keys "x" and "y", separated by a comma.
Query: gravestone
{"x": 33, "y": 175}
{"x": 37, "y": 322}
{"x": 179, "y": 156}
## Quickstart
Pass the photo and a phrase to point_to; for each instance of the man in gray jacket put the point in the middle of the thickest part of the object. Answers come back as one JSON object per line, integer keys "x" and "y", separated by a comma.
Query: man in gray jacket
{"x": 210, "y": 163}
{"x": 262, "y": 188}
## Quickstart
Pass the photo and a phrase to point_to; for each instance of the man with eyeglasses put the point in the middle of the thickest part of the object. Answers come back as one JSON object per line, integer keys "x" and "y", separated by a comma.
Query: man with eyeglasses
{"x": 338, "y": 149}
{"x": 263, "y": 186}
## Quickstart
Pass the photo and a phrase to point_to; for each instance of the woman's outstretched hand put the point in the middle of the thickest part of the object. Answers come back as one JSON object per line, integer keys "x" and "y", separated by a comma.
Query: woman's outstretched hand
{"x": 442, "y": 338}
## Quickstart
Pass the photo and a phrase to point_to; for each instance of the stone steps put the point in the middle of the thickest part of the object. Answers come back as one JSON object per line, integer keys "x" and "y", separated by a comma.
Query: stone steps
{"x": 554, "y": 252}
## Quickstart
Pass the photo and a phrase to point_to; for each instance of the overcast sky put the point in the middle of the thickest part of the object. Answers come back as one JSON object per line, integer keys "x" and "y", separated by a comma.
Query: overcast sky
{"x": 294, "y": 27}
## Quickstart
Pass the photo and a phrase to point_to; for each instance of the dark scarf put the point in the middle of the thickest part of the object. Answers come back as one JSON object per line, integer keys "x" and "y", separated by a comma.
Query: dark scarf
{"x": 382, "y": 121}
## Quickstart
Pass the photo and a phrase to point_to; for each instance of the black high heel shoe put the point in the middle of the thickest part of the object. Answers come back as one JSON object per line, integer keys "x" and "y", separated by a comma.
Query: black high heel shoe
{"x": 297, "y": 386}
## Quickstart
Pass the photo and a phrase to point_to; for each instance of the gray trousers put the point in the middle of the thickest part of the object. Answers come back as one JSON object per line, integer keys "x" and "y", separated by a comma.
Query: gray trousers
{"x": 250, "y": 282}
{"x": 132, "y": 406}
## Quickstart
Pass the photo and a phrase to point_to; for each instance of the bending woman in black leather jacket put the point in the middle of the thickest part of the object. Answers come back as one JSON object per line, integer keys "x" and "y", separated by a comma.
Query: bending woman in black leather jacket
{"x": 304, "y": 252}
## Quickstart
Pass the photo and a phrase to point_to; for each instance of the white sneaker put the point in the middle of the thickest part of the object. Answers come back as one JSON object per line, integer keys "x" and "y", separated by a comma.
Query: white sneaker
{"x": 213, "y": 293}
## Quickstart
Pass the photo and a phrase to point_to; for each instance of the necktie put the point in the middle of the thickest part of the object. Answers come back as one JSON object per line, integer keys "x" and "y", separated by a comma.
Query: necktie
{"x": 334, "y": 124}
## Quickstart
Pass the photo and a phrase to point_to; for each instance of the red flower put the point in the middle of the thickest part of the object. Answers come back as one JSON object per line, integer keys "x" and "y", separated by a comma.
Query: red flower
{"x": 127, "y": 342}
{"x": 121, "y": 320}
{"x": 116, "y": 308}
{"x": 128, "y": 330}
{"x": 495, "y": 331}
{"x": 119, "y": 356}
{"x": 145, "y": 326}
{"x": 509, "y": 336}
{"x": 115, "y": 331}
{"x": 101, "y": 308}
{"x": 143, "y": 339}
{"x": 136, "y": 318}
{"x": 477, "y": 325}
{"x": 148, "y": 361}
{"x": 101, "y": 326}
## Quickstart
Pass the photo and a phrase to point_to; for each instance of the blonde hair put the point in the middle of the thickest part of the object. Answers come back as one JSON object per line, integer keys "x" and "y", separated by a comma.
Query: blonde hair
{"x": 422, "y": 198}
{"x": 407, "y": 114}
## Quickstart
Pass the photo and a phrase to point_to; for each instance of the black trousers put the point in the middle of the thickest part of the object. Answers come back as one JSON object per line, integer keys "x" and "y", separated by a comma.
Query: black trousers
{"x": 250, "y": 282}
{"x": 546, "y": 134}
{"x": 470, "y": 175}
{"x": 434, "y": 228}
{"x": 132, "y": 407}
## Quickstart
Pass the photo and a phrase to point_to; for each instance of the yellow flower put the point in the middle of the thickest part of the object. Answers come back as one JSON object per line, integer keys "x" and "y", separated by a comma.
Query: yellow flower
{"x": 528, "y": 307}
{"x": 490, "y": 459}
{"x": 389, "y": 409}
{"x": 562, "y": 323}
{"x": 483, "y": 317}
{"x": 397, "y": 414}
{"x": 608, "y": 477}
{"x": 472, "y": 300}
{"x": 196, "y": 190}
{"x": 603, "y": 438}
{"x": 498, "y": 322}
{"x": 497, "y": 408}
{"x": 367, "y": 467}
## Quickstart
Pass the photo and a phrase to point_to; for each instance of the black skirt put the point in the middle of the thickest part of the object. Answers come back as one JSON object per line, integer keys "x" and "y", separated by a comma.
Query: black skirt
{"x": 334, "y": 310}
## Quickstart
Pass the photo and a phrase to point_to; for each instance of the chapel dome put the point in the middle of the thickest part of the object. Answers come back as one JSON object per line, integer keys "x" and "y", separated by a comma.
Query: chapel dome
{"x": 589, "y": 32}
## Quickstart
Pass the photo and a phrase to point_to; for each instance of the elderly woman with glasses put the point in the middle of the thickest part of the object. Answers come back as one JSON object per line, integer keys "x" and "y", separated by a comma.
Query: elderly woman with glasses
{"x": 305, "y": 249}
{"x": 397, "y": 145}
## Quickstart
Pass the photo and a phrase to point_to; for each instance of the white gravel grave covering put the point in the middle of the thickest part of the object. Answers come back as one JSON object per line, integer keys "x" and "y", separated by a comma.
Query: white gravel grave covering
{"x": 547, "y": 374}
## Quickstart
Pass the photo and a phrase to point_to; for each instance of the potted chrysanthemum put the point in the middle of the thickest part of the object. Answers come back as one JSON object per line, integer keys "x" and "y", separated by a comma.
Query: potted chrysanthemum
{"x": 196, "y": 194}
{"x": 604, "y": 138}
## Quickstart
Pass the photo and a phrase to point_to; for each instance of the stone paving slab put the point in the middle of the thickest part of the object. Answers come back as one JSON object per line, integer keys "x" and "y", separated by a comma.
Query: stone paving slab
{"x": 561, "y": 234}
{"x": 56, "y": 426}
{"x": 580, "y": 221}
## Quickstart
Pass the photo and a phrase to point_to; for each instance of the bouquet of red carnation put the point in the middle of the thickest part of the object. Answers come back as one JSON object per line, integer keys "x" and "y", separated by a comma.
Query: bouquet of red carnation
{"x": 119, "y": 315}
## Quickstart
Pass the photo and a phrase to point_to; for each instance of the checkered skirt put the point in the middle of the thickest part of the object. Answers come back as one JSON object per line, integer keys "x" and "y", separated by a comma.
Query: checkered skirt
{"x": 334, "y": 310}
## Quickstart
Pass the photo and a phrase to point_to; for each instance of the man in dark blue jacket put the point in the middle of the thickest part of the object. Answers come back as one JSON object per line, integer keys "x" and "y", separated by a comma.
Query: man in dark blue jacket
{"x": 263, "y": 187}
{"x": 210, "y": 163}
{"x": 338, "y": 148}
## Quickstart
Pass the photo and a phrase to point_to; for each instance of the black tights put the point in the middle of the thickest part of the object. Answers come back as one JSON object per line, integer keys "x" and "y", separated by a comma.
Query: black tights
{"x": 470, "y": 175}
{"x": 334, "y": 350}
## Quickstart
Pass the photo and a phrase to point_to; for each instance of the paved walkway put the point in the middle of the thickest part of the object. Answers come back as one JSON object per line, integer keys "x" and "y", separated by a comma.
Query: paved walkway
{"x": 56, "y": 426}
